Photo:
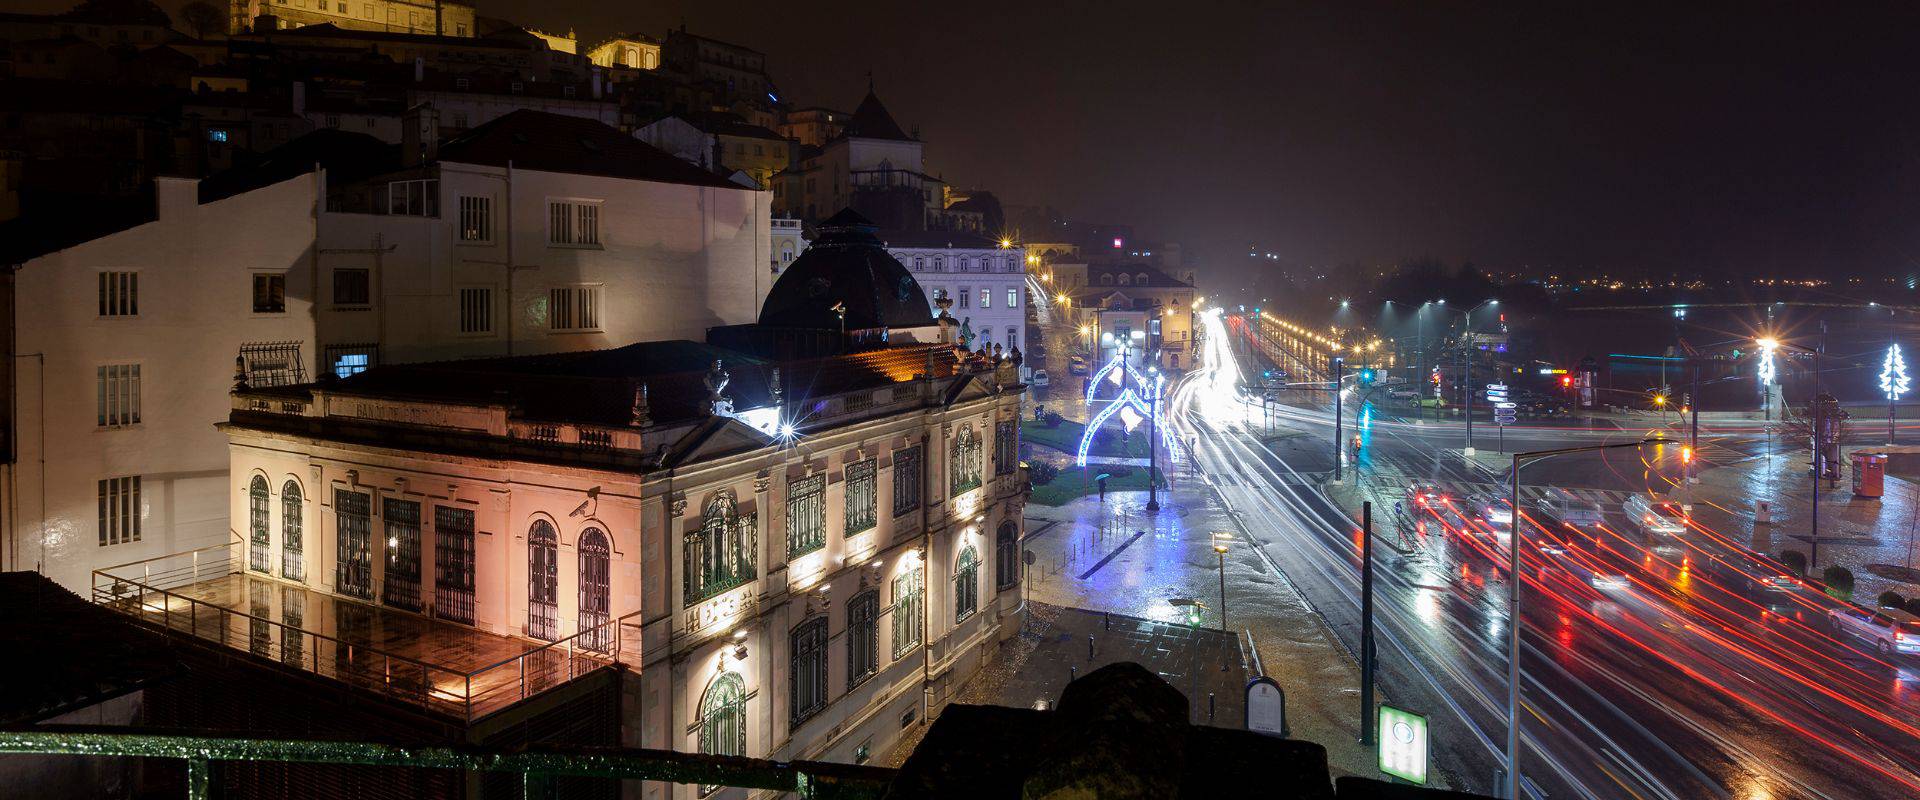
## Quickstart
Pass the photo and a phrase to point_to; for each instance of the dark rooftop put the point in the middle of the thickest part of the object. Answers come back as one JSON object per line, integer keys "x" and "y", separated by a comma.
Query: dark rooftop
{"x": 546, "y": 142}
{"x": 848, "y": 269}
{"x": 346, "y": 156}
{"x": 872, "y": 121}
{"x": 939, "y": 239}
{"x": 100, "y": 654}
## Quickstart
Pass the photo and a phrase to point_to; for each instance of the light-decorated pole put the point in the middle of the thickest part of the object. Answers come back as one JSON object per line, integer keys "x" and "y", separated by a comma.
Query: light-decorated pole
{"x": 1893, "y": 383}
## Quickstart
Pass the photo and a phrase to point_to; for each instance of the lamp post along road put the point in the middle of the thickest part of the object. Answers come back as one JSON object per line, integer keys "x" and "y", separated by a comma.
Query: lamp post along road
{"x": 1512, "y": 789}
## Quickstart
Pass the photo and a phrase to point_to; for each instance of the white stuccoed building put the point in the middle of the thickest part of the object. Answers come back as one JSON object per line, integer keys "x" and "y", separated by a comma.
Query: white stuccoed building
{"x": 536, "y": 233}
{"x": 986, "y": 279}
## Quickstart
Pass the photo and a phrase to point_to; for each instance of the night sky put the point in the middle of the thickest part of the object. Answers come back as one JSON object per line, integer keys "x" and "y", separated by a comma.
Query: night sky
{"x": 1745, "y": 138}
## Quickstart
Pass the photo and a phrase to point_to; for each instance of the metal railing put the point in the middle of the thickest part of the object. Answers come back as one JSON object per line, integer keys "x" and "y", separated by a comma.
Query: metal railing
{"x": 146, "y": 590}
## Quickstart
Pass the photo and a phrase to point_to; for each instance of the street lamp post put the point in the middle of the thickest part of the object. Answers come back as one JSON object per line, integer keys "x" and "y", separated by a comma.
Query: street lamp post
{"x": 1153, "y": 445}
{"x": 1220, "y": 539}
{"x": 1338, "y": 365}
{"x": 1512, "y": 788}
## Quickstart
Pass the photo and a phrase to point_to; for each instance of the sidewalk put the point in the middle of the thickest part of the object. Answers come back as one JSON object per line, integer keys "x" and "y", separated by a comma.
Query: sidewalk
{"x": 1118, "y": 558}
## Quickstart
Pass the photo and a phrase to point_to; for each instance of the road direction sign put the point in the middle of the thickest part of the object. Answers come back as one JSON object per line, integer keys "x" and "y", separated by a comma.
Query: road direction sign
{"x": 1403, "y": 744}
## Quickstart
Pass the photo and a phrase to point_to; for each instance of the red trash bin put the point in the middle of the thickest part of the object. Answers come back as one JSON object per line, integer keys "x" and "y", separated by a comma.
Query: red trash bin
{"x": 1869, "y": 474}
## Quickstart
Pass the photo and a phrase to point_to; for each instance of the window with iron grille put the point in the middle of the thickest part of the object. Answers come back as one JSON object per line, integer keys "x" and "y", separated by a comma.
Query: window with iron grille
{"x": 863, "y": 637}
{"x": 965, "y": 460}
{"x": 806, "y": 515}
{"x": 908, "y": 625}
{"x": 476, "y": 309}
{"x": 120, "y": 510}
{"x": 574, "y": 308}
{"x": 573, "y": 223}
{"x": 353, "y": 531}
{"x": 119, "y": 294}
{"x": 269, "y": 293}
{"x": 718, "y": 556}
{"x": 596, "y": 591}
{"x": 293, "y": 564}
{"x": 543, "y": 581}
{"x": 723, "y": 720}
{"x": 402, "y": 589}
{"x": 453, "y": 563}
{"x": 476, "y": 217}
{"x": 1006, "y": 447}
{"x": 807, "y": 688}
{"x": 352, "y": 286}
{"x": 351, "y": 359}
{"x": 259, "y": 538}
{"x": 117, "y": 395}
{"x": 966, "y": 584}
{"x": 862, "y": 512}
{"x": 1006, "y": 556}
{"x": 908, "y": 474}
{"x": 273, "y": 363}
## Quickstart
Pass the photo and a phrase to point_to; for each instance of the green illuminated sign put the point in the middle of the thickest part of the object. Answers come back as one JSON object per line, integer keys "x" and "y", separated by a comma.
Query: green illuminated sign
{"x": 1403, "y": 744}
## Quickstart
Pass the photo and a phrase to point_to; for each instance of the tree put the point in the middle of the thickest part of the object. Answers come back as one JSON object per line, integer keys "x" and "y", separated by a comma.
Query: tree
{"x": 1839, "y": 582}
{"x": 1795, "y": 561}
{"x": 203, "y": 18}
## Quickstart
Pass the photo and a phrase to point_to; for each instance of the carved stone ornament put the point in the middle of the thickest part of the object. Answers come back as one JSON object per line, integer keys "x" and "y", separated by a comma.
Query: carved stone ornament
{"x": 678, "y": 504}
{"x": 762, "y": 481}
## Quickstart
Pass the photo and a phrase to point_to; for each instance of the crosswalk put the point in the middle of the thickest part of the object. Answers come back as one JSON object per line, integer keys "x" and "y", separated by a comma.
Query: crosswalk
{"x": 1609, "y": 499}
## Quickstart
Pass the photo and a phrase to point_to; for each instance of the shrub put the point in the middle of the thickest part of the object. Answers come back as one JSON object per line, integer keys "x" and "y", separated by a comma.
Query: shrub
{"x": 1839, "y": 581}
{"x": 1795, "y": 561}
{"x": 1892, "y": 600}
{"x": 1051, "y": 419}
{"x": 1913, "y": 606}
{"x": 1042, "y": 473}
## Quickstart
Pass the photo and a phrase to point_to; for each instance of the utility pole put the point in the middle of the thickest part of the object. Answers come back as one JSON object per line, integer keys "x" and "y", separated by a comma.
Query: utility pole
{"x": 1153, "y": 451}
{"x": 1693, "y": 402}
{"x": 1366, "y": 623}
{"x": 1338, "y": 364}
{"x": 1466, "y": 382}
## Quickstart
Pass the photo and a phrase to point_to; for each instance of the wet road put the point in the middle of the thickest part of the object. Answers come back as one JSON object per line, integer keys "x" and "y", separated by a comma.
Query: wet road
{"x": 1654, "y": 665}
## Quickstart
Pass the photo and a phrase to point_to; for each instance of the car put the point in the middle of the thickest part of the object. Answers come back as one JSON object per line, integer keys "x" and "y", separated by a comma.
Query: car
{"x": 1889, "y": 630}
{"x": 1493, "y": 511}
{"x": 1660, "y": 519}
{"x": 1570, "y": 509}
{"x": 1403, "y": 393}
{"x": 1077, "y": 365}
{"x": 1425, "y": 496}
{"x": 1040, "y": 378}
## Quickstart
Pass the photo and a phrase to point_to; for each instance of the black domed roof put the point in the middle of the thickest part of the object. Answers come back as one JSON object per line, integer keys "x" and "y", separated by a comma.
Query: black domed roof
{"x": 848, "y": 267}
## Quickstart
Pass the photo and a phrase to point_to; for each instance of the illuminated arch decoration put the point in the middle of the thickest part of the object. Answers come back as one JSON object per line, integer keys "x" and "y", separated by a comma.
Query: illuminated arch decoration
{"x": 1118, "y": 362}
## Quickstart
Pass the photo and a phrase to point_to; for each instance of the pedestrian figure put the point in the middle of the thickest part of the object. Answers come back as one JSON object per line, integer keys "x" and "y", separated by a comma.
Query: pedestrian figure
{"x": 1103, "y": 488}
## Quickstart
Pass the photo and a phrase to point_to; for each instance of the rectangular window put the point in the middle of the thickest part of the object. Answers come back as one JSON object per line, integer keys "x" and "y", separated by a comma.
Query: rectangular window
{"x": 1013, "y": 298}
{"x": 217, "y": 135}
{"x": 352, "y": 287}
{"x": 476, "y": 214}
{"x": 965, "y": 296}
{"x": 120, "y": 510}
{"x": 862, "y": 510}
{"x": 476, "y": 309}
{"x": 908, "y": 474}
{"x": 986, "y": 298}
{"x": 453, "y": 564}
{"x": 907, "y": 621}
{"x": 119, "y": 294}
{"x": 1006, "y": 447}
{"x": 402, "y": 589}
{"x": 808, "y": 687}
{"x": 863, "y": 637}
{"x": 574, "y": 308}
{"x": 420, "y": 198}
{"x": 117, "y": 395}
{"x": 353, "y": 520}
{"x": 806, "y": 515}
{"x": 269, "y": 293}
{"x": 573, "y": 223}
{"x": 351, "y": 359}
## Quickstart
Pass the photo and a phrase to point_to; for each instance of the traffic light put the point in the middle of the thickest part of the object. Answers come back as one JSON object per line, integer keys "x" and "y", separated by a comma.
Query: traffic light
{"x": 1686, "y": 454}
{"x": 1366, "y": 376}
{"x": 1566, "y": 381}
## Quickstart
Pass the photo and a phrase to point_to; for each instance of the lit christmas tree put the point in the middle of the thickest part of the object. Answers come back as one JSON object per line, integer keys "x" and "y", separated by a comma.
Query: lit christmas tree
{"x": 1893, "y": 374}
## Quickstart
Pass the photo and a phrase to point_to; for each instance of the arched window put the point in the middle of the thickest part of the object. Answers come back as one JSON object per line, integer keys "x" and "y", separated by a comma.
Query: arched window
{"x": 723, "y": 720}
{"x": 863, "y": 637}
{"x": 595, "y": 591}
{"x": 543, "y": 581}
{"x": 718, "y": 556}
{"x": 966, "y": 460}
{"x": 259, "y": 557}
{"x": 1106, "y": 280}
{"x": 1141, "y": 279}
{"x": 960, "y": 264}
{"x": 293, "y": 563}
{"x": 966, "y": 584}
{"x": 1006, "y": 556}
{"x": 1125, "y": 279}
{"x": 807, "y": 687}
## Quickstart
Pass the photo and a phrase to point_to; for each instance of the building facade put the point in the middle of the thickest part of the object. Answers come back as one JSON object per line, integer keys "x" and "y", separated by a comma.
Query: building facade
{"x": 787, "y": 585}
{"x": 985, "y": 279}
{"x": 1130, "y": 302}
{"x": 629, "y": 50}
{"x": 435, "y": 17}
